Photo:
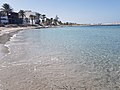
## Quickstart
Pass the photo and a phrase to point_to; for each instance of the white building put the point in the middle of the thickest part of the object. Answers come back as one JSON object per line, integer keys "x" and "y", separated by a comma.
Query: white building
{"x": 27, "y": 14}
{"x": 4, "y": 20}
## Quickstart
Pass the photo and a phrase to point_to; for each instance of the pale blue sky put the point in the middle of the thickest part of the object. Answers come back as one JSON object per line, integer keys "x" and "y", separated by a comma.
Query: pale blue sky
{"x": 80, "y": 11}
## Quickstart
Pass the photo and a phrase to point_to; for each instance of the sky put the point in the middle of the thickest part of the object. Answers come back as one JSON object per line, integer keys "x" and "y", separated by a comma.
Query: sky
{"x": 76, "y": 11}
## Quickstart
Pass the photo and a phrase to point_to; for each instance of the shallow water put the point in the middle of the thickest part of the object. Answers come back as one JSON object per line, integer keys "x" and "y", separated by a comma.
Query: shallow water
{"x": 69, "y": 58}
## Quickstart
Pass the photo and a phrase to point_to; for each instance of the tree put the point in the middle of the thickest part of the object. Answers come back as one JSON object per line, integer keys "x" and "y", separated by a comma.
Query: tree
{"x": 60, "y": 22}
{"x": 56, "y": 17}
{"x": 32, "y": 17}
{"x": 48, "y": 21}
{"x": 22, "y": 14}
{"x": 56, "y": 20}
{"x": 43, "y": 18}
{"x": 51, "y": 21}
{"x": 38, "y": 17}
{"x": 6, "y": 8}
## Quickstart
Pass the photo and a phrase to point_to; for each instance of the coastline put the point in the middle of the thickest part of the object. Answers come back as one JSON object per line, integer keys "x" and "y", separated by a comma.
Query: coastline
{"x": 5, "y": 36}
{"x": 33, "y": 65}
{"x": 7, "y": 33}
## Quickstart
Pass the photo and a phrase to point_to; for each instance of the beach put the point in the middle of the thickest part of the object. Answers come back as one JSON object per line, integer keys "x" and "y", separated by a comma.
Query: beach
{"x": 6, "y": 33}
{"x": 67, "y": 58}
{"x": 59, "y": 45}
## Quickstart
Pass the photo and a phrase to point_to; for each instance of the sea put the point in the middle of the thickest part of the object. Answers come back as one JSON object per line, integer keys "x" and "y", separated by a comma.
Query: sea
{"x": 64, "y": 58}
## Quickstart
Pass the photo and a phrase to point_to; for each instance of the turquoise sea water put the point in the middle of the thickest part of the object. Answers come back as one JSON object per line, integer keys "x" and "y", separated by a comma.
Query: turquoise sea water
{"x": 69, "y": 58}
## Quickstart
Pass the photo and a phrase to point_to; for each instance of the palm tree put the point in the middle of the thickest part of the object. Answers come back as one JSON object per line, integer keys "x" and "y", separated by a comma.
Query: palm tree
{"x": 38, "y": 17}
{"x": 32, "y": 17}
{"x": 6, "y": 8}
{"x": 48, "y": 21}
{"x": 51, "y": 21}
{"x": 56, "y": 20}
{"x": 22, "y": 14}
{"x": 60, "y": 22}
{"x": 43, "y": 18}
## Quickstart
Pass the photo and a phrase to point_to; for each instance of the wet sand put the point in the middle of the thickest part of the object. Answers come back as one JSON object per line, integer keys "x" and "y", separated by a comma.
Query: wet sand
{"x": 6, "y": 33}
{"x": 5, "y": 36}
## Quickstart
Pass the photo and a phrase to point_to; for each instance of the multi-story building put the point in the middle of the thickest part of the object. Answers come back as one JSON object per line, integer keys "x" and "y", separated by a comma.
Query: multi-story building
{"x": 28, "y": 19}
{"x": 3, "y": 18}
{"x": 12, "y": 18}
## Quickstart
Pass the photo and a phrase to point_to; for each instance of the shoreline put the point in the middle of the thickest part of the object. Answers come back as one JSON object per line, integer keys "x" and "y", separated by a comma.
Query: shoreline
{"x": 6, "y": 34}
{"x": 57, "y": 63}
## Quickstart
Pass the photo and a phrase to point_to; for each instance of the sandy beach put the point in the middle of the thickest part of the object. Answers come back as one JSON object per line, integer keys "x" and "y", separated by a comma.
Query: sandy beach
{"x": 59, "y": 45}
{"x": 6, "y": 33}
{"x": 68, "y": 58}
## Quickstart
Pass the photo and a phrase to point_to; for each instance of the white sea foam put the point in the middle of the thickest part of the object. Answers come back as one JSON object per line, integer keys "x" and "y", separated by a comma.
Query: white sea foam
{"x": 54, "y": 59}
{"x": 13, "y": 37}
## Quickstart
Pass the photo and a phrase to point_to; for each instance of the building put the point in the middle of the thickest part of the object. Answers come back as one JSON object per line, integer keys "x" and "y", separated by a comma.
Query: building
{"x": 28, "y": 20}
{"x": 3, "y": 18}
{"x": 13, "y": 18}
